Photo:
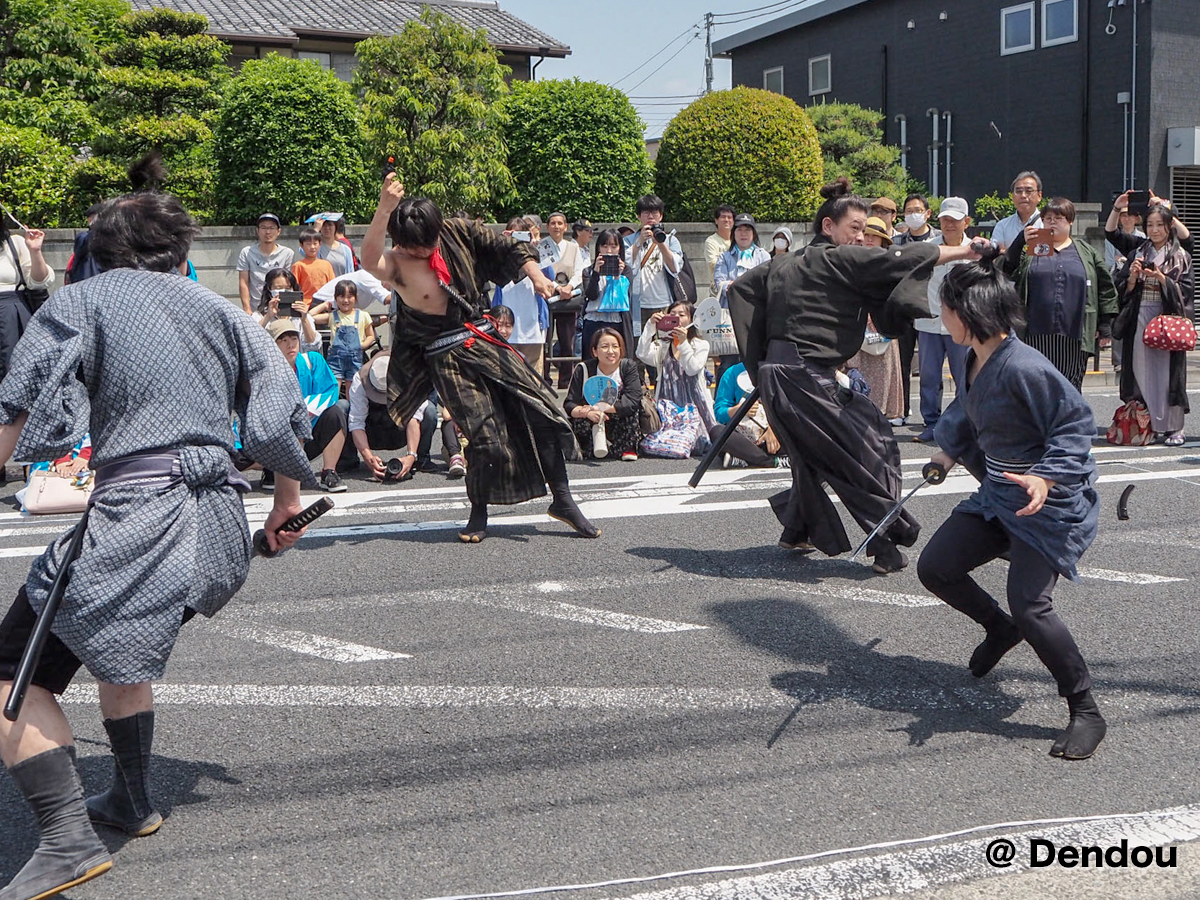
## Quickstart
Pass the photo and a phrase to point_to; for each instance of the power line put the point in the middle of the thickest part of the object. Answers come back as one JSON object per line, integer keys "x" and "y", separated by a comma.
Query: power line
{"x": 656, "y": 55}
{"x": 687, "y": 44}
{"x": 742, "y": 12}
{"x": 785, "y": 7}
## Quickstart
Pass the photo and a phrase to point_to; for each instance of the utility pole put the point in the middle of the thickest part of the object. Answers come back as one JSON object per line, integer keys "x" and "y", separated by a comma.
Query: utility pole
{"x": 708, "y": 72}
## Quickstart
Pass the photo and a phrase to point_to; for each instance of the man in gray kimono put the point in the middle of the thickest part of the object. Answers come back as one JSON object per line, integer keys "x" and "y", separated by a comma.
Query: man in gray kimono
{"x": 154, "y": 366}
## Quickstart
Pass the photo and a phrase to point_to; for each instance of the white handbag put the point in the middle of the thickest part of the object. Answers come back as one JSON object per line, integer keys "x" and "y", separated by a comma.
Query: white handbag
{"x": 49, "y": 494}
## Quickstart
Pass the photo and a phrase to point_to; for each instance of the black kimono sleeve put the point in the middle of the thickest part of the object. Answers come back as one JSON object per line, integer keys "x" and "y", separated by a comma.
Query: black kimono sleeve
{"x": 893, "y": 282}
{"x": 498, "y": 258}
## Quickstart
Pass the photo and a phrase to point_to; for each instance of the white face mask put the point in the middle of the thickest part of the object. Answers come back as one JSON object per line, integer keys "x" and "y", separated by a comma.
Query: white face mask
{"x": 914, "y": 220}
{"x": 781, "y": 243}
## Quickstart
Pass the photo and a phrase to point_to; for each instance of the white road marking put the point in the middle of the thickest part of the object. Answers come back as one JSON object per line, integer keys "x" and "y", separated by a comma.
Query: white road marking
{"x": 308, "y": 644}
{"x": 862, "y": 595}
{"x": 1126, "y": 577}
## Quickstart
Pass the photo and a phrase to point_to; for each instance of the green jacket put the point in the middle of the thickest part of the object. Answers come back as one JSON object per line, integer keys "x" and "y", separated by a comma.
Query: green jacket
{"x": 1101, "y": 292}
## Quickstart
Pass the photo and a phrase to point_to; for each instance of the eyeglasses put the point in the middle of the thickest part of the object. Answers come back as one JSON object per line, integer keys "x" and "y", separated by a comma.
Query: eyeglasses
{"x": 1026, "y": 190}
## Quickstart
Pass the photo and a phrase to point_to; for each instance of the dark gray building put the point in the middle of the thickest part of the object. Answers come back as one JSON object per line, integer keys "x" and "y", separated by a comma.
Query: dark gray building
{"x": 1096, "y": 95}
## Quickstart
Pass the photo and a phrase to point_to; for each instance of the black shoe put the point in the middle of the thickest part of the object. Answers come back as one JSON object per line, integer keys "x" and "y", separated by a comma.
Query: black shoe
{"x": 331, "y": 483}
{"x": 348, "y": 465}
{"x": 268, "y": 481}
{"x": 888, "y": 559}
{"x": 1000, "y": 639}
{"x": 1085, "y": 730}
{"x": 792, "y": 539}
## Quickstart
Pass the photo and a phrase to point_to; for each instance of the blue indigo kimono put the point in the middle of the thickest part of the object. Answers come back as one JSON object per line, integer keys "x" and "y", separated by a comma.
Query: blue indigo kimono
{"x": 1019, "y": 414}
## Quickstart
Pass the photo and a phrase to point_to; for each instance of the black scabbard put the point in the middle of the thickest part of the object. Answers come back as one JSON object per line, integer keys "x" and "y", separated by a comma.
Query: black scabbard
{"x": 45, "y": 621}
{"x": 715, "y": 449}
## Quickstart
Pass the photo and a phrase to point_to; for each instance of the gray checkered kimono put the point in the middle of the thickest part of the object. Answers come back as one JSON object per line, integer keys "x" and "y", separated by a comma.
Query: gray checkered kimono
{"x": 145, "y": 361}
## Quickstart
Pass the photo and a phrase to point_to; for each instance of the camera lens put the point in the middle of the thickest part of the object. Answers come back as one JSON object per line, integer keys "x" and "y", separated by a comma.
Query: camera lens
{"x": 659, "y": 233}
{"x": 394, "y": 468}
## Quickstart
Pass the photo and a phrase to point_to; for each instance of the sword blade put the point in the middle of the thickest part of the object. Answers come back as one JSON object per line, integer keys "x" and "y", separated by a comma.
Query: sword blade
{"x": 893, "y": 514}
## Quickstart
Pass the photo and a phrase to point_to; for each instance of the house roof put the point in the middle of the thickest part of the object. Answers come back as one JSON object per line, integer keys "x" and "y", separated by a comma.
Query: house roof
{"x": 285, "y": 22}
{"x": 818, "y": 9}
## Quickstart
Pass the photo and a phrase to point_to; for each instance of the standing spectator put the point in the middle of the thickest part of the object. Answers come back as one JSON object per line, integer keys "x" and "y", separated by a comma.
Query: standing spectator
{"x": 1129, "y": 223}
{"x": 651, "y": 263}
{"x": 620, "y": 420}
{"x": 339, "y": 255}
{"x": 531, "y": 314}
{"x": 583, "y": 231}
{"x": 881, "y": 370}
{"x": 350, "y": 333}
{"x": 781, "y": 241}
{"x": 82, "y": 265}
{"x": 718, "y": 242}
{"x": 340, "y": 224}
{"x": 884, "y": 209}
{"x": 916, "y": 230}
{"x": 1156, "y": 279}
{"x": 1068, "y": 295}
{"x": 936, "y": 346}
{"x": 312, "y": 273}
{"x": 680, "y": 357}
{"x": 607, "y": 296}
{"x": 278, "y": 281}
{"x": 371, "y": 427}
{"x": 1026, "y": 195}
{"x": 742, "y": 256}
{"x": 255, "y": 261}
{"x": 564, "y": 312}
{"x": 22, "y": 268}
{"x": 327, "y": 416}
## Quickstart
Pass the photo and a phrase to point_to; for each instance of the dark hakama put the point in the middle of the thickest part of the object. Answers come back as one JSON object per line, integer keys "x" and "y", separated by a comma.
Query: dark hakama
{"x": 495, "y": 397}
{"x": 796, "y": 319}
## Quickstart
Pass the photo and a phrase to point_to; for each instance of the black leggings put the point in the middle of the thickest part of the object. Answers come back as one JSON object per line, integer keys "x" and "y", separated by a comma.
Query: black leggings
{"x": 743, "y": 448}
{"x": 965, "y": 542}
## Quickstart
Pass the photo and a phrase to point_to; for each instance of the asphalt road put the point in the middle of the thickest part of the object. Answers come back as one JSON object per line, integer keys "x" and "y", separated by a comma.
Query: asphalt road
{"x": 385, "y": 712}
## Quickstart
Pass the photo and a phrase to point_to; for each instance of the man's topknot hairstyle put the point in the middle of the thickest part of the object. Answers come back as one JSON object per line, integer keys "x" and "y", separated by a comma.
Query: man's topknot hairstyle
{"x": 839, "y": 200}
{"x": 416, "y": 223}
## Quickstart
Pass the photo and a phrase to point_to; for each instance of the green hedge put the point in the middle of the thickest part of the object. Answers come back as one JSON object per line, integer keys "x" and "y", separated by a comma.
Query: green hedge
{"x": 34, "y": 173}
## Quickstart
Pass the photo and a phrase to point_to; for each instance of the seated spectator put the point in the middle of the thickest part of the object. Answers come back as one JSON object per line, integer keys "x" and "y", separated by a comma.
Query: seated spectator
{"x": 680, "y": 355}
{"x": 256, "y": 260}
{"x": 620, "y": 420}
{"x": 278, "y": 281}
{"x": 503, "y": 317}
{"x": 531, "y": 315}
{"x": 328, "y": 418}
{"x": 718, "y": 242}
{"x": 781, "y": 241}
{"x": 452, "y": 447}
{"x": 753, "y": 443}
{"x": 372, "y": 428}
{"x": 606, "y": 297}
{"x": 71, "y": 465}
{"x": 312, "y": 273}
{"x": 350, "y": 332}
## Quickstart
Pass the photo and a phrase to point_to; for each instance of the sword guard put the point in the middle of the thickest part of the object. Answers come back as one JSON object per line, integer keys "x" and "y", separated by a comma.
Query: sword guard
{"x": 933, "y": 473}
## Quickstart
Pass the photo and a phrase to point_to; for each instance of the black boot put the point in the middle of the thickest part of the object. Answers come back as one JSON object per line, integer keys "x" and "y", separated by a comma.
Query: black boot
{"x": 126, "y": 805}
{"x": 476, "y": 528}
{"x": 554, "y": 467}
{"x": 69, "y": 852}
{"x": 1084, "y": 732}
{"x": 1002, "y": 636}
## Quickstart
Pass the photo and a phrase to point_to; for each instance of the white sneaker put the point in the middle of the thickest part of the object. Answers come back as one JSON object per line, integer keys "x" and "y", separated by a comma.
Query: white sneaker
{"x": 898, "y": 421}
{"x": 732, "y": 462}
{"x": 782, "y": 462}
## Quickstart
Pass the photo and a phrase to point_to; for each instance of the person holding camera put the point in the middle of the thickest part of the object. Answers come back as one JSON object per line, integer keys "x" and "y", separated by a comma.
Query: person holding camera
{"x": 1068, "y": 294}
{"x": 606, "y": 292}
{"x": 672, "y": 345}
{"x": 1026, "y": 194}
{"x": 620, "y": 419}
{"x": 651, "y": 262}
{"x": 564, "y": 311}
{"x": 280, "y": 287}
{"x": 371, "y": 428}
{"x": 22, "y": 269}
{"x": 1156, "y": 279}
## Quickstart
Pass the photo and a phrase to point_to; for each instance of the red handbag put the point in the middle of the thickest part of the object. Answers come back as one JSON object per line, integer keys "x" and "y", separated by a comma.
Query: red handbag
{"x": 1170, "y": 333}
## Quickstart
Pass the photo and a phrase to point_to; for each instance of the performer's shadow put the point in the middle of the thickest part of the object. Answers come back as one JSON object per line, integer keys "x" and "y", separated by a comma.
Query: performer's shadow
{"x": 174, "y": 783}
{"x": 759, "y": 563}
{"x": 941, "y": 698}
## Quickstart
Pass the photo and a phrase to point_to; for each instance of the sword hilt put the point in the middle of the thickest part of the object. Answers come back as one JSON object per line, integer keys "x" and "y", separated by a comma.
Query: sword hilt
{"x": 934, "y": 473}
{"x": 295, "y": 523}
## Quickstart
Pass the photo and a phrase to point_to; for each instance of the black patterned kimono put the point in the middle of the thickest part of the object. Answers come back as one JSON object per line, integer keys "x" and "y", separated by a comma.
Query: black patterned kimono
{"x": 493, "y": 395}
{"x": 796, "y": 319}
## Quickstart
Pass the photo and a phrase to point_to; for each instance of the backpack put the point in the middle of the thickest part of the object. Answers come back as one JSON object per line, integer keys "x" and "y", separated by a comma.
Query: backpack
{"x": 83, "y": 265}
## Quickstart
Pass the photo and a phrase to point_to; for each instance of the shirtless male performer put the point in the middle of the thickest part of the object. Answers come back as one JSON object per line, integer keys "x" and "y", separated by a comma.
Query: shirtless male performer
{"x": 519, "y": 437}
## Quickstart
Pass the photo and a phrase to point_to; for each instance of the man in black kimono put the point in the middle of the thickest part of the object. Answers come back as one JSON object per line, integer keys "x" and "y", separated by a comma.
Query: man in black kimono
{"x": 519, "y": 437}
{"x": 798, "y": 319}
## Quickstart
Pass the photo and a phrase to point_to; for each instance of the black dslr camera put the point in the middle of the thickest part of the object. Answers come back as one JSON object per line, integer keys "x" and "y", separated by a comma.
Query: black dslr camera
{"x": 658, "y": 233}
{"x": 394, "y": 467}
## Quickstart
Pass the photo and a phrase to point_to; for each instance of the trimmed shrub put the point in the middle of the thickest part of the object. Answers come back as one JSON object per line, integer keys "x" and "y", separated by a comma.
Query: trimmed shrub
{"x": 430, "y": 100}
{"x": 289, "y": 139}
{"x": 852, "y": 145}
{"x": 755, "y": 150}
{"x": 577, "y": 147}
{"x": 34, "y": 172}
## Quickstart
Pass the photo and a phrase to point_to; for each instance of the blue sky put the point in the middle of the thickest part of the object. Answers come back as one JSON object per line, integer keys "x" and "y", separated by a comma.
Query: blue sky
{"x": 609, "y": 40}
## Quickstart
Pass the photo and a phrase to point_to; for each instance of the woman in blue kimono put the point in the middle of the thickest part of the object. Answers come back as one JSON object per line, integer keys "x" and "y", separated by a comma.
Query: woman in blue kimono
{"x": 1025, "y": 432}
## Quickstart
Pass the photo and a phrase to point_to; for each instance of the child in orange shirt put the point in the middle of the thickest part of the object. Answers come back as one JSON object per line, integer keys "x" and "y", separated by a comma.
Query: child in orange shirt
{"x": 312, "y": 272}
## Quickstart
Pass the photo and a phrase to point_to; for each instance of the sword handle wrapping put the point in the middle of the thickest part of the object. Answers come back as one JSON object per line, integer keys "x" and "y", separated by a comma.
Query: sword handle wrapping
{"x": 933, "y": 473}
{"x": 295, "y": 523}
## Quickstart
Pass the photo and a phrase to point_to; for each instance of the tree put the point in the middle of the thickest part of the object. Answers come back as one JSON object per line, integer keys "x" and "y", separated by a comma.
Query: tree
{"x": 753, "y": 149}
{"x": 430, "y": 99}
{"x": 161, "y": 89}
{"x": 34, "y": 171}
{"x": 49, "y": 59}
{"x": 289, "y": 139}
{"x": 576, "y": 147}
{"x": 852, "y": 144}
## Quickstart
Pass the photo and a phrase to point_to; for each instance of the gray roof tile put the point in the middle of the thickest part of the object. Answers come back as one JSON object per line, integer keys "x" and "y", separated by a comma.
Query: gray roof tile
{"x": 284, "y": 20}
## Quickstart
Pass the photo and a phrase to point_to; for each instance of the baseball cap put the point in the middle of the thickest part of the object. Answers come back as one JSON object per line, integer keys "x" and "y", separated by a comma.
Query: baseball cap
{"x": 884, "y": 203}
{"x": 280, "y": 327}
{"x": 270, "y": 217}
{"x": 583, "y": 224}
{"x": 744, "y": 219}
{"x": 955, "y": 208}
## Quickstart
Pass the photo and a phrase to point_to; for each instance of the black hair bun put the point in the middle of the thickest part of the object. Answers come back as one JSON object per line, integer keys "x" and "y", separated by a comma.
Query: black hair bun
{"x": 148, "y": 173}
{"x": 837, "y": 188}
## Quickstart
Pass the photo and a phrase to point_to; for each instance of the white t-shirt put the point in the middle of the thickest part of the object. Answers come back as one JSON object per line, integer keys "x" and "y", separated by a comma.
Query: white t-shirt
{"x": 252, "y": 260}
{"x": 522, "y": 300}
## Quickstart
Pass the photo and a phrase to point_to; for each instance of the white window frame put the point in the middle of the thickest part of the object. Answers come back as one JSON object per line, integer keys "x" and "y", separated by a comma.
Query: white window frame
{"x": 769, "y": 72}
{"x": 828, "y": 60}
{"x": 1031, "y": 8}
{"x": 1074, "y": 35}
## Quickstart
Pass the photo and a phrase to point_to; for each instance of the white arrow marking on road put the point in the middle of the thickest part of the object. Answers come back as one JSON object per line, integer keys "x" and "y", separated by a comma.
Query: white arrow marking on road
{"x": 308, "y": 644}
{"x": 1126, "y": 577}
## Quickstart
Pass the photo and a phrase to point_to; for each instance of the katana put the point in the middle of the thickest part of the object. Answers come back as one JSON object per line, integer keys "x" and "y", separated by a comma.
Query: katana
{"x": 934, "y": 474}
{"x": 715, "y": 449}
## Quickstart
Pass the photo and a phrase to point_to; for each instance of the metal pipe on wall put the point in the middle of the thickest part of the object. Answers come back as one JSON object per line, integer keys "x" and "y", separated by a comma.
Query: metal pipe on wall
{"x": 949, "y": 117}
{"x": 1133, "y": 105}
{"x": 903, "y": 120}
{"x": 934, "y": 151}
